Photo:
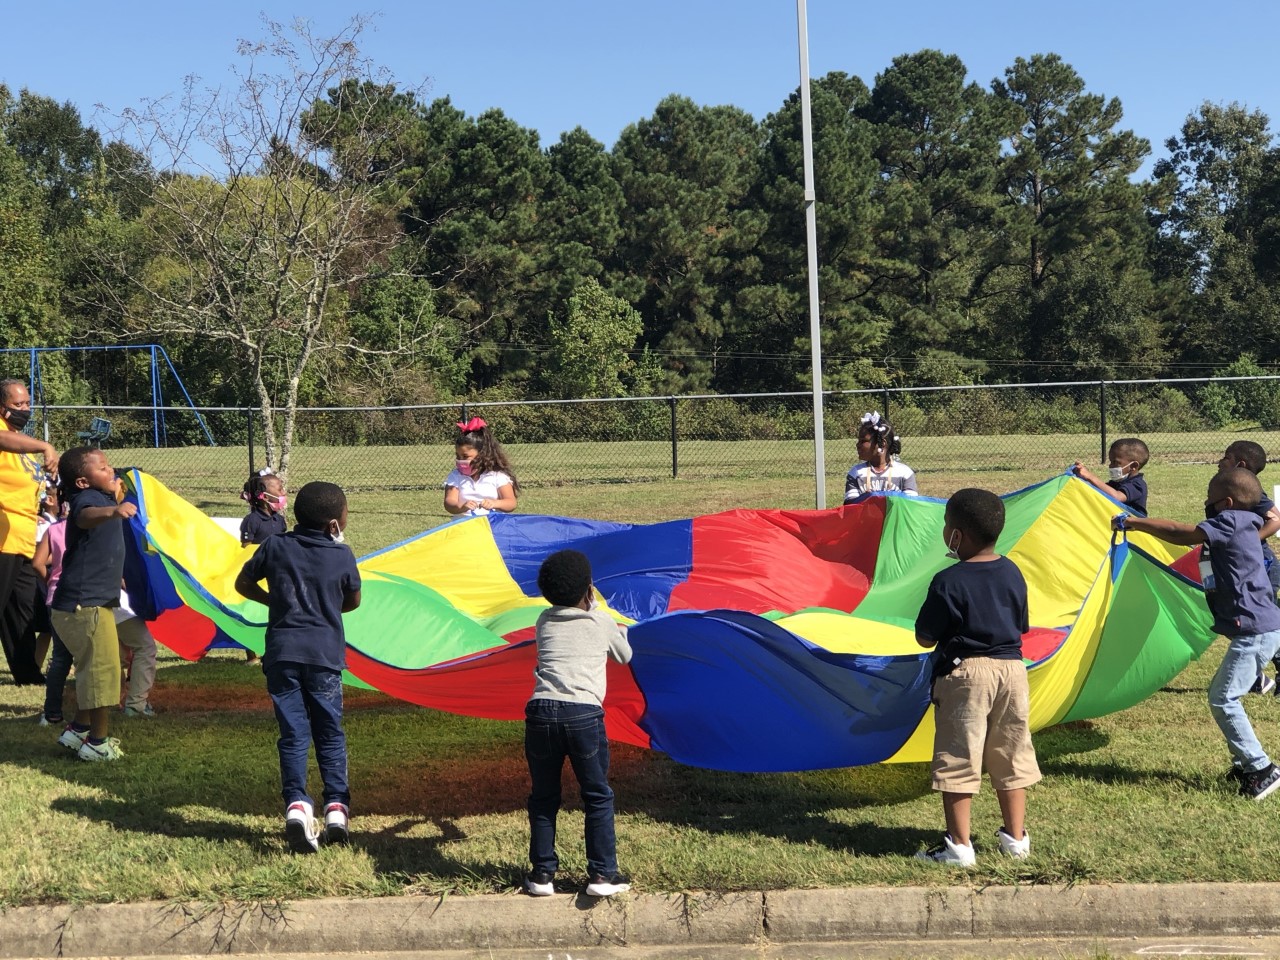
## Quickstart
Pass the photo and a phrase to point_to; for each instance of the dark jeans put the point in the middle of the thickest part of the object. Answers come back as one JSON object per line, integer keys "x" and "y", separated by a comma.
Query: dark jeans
{"x": 554, "y": 730}
{"x": 18, "y": 583}
{"x": 1273, "y": 575}
{"x": 308, "y": 704}
{"x": 55, "y": 678}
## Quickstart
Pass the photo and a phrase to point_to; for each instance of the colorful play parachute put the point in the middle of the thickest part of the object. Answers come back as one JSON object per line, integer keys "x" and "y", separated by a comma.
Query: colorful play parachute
{"x": 764, "y": 640}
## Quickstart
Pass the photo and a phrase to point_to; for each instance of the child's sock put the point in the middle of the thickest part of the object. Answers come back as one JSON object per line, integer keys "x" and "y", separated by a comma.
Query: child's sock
{"x": 79, "y": 727}
{"x": 97, "y": 741}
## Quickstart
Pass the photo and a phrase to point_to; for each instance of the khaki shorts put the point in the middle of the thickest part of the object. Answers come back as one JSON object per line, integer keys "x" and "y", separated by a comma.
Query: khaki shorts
{"x": 90, "y": 634}
{"x": 980, "y": 721}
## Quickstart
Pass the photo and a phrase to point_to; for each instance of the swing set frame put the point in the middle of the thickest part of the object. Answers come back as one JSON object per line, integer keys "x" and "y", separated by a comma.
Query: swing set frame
{"x": 159, "y": 362}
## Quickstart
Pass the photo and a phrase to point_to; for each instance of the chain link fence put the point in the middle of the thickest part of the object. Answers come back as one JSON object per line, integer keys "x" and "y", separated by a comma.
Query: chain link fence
{"x": 659, "y": 457}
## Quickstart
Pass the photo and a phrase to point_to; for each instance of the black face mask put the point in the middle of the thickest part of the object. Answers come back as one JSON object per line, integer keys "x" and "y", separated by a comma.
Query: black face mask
{"x": 17, "y": 418}
{"x": 1211, "y": 510}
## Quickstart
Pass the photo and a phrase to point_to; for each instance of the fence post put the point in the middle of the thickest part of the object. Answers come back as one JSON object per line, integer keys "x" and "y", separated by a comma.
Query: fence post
{"x": 1102, "y": 420}
{"x": 248, "y": 416}
{"x": 675, "y": 453}
{"x": 886, "y": 403}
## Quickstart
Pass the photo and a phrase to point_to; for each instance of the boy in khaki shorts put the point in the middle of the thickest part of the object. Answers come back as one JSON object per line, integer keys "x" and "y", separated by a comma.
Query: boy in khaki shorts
{"x": 975, "y": 614}
{"x": 89, "y": 587}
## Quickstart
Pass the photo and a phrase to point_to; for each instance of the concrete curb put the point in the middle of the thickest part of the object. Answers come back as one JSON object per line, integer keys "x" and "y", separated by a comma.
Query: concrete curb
{"x": 566, "y": 921}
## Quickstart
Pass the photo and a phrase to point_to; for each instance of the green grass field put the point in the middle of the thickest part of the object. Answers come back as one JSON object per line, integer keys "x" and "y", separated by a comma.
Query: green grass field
{"x": 396, "y": 492}
{"x": 193, "y": 811}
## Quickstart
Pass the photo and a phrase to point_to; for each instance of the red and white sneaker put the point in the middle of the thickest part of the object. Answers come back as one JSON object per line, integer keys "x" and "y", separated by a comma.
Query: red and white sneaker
{"x": 300, "y": 827}
{"x": 73, "y": 739}
{"x": 336, "y": 820}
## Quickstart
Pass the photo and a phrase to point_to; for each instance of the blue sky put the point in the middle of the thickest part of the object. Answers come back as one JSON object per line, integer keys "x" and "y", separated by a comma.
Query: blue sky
{"x": 603, "y": 65}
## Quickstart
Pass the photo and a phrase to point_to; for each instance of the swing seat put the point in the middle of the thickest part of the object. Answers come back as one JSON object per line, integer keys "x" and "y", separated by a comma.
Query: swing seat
{"x": 99, "y": 430}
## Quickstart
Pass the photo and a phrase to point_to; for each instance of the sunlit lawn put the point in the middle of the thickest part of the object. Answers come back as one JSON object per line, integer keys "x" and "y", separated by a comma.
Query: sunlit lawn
{"x": 438, "y": 800}
{"x": 193, "y": 810}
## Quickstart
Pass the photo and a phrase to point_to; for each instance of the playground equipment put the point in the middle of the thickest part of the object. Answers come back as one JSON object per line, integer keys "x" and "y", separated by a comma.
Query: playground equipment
{"x": 100, "y": 428}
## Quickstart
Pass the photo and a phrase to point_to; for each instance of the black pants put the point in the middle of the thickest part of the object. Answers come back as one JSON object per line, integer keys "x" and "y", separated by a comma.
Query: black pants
{"x": 18, "y": 583}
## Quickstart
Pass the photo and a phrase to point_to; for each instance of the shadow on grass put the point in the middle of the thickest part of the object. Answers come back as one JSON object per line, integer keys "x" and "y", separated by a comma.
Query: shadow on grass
{"x": 1113, "y": 774}
{"x": 146, "y": 817}
{"x": 818, "y": 807}
{"x": 1078, "y": 736}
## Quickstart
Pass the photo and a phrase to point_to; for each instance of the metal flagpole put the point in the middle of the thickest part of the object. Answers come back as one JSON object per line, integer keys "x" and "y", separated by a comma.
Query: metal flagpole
{"x": 811, "y": 237}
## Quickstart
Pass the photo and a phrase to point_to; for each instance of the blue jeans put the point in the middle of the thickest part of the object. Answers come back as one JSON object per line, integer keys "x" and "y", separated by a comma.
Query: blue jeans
{"x": 55, "y": 679}
{"x": 1240, "y": 667}
{"x": 553, "y": 730}
{"x": 308, "y": 704}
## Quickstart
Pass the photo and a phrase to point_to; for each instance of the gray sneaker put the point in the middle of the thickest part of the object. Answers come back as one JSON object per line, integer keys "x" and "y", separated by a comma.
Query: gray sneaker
{"x": 146, "y": 710}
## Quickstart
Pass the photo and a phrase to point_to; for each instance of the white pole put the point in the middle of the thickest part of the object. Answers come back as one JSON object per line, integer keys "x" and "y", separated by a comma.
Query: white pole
{"x": 811, "y": 237}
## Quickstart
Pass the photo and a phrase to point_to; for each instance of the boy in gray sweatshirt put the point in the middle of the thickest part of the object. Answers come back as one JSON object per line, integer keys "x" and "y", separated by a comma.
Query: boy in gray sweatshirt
{"x": 565, "y": 718}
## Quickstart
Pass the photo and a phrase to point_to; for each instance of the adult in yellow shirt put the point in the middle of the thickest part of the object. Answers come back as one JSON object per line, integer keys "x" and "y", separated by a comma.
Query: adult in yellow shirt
{"x": 21, "y": 477}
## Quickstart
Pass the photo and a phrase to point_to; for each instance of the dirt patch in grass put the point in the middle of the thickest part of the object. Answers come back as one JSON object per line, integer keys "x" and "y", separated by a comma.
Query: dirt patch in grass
{"x": 246, "y": 698}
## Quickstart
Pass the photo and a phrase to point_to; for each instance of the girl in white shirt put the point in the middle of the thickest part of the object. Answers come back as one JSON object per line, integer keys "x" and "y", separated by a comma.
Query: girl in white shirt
{"x": 482, "y": 479}
{"x": 878, "y": 469}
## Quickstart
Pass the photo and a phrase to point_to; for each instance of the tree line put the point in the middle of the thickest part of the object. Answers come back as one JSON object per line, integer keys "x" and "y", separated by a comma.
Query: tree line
{"x": 371, "y": 245}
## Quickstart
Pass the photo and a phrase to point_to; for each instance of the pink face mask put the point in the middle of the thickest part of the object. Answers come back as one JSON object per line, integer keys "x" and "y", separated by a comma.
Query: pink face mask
{"x": 277, "y": 504}
{"x": 464, "y": 467}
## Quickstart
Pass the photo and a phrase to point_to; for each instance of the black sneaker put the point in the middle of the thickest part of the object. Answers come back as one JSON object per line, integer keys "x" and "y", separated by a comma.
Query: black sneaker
{"x": 539, "y": 883}
{"x": 1261, "y": 783}
{"x": 601, "y": 886}
{"x": 1236, "y": 773}
{"x": 1264, "y": 684}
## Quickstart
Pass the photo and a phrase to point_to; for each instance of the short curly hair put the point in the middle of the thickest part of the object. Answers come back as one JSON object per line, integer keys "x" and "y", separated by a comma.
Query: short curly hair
{"x": 1252, "y": 453}
{"x": 977, "y": 512}
{"x": 565, "y": 577}
{"x": 317, "y": 503}
{"x": 1238, "y": 483}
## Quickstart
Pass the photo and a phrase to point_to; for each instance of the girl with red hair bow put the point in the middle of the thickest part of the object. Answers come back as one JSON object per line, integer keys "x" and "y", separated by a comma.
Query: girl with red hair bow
{"x": 482, "y": 479}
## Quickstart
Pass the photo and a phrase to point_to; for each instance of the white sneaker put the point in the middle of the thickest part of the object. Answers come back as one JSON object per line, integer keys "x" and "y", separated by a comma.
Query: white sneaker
{"x": 43, "y": 721}
{"x": 1018, "y": 849}
{"x": 300, "y": 827}
{"x": 950, "y": 853}
{"x": 600, "y": 885}
{"x": 336, "y": 823}
{"x": 108, "y": 749}
{"x": 72, "y": 738}
{"x": 539, "y": 883}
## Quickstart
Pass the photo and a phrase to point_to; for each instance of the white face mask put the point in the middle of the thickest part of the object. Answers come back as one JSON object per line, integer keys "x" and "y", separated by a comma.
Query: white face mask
{"x": 591, "y": 601}
{"x": 1117, "y": 473}
{"x": 337, "y": 537}
{"x": 953, "y": 546}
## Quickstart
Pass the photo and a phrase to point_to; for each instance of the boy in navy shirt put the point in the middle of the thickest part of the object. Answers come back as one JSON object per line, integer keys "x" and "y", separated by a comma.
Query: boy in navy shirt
{"x": 1243, "y": 607}
{"x": 1127, "y": 457}
{"x": 81, "y": 609}
{"x": 1251, "y": 456}
{"x": 311, "y": 581}
{"x": 974, "y": 615}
